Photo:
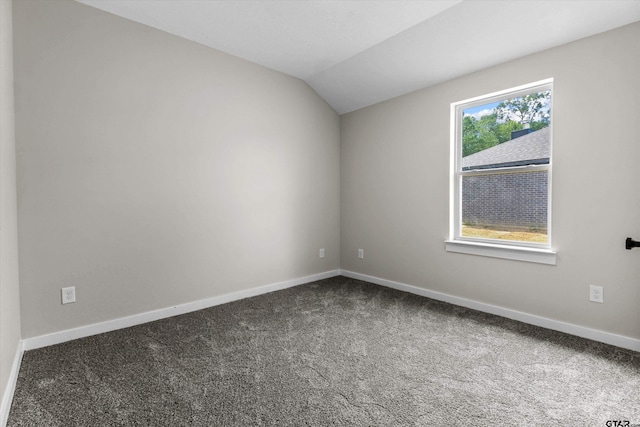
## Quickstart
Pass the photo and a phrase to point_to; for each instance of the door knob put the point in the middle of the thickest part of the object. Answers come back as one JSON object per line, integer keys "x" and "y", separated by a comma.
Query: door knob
{"x": 630, "y": 243}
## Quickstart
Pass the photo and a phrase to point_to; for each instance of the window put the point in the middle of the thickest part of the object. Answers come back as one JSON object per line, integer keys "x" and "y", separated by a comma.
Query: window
{"x": 501, "y": 174}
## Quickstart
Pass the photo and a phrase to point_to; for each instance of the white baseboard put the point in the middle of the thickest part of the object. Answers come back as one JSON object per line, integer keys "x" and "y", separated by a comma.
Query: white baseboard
{"x": 163, "y": 313}
{"x": 137, "y": 319}
{"x": 581, "y": 331}
{"x": 7, "y": 396}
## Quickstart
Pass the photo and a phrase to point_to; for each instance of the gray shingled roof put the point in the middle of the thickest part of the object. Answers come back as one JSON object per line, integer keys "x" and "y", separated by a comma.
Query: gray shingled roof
{"x": 532, "y": 148}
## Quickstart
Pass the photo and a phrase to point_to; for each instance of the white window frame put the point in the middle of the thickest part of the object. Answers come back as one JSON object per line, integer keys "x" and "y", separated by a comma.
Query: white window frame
{"x": 515, "y": 250}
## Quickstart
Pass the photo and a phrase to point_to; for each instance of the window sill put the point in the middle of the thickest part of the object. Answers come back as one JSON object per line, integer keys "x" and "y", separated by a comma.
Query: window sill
{"x": 518, "y": 253}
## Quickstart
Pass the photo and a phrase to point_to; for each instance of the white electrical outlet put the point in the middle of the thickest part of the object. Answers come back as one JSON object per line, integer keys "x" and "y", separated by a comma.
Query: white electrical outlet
{"x": 361, "y": 253}
{"x": 596, "y": 294}
{"x": 68, "y": 295}
{"x": 321, "y": 254}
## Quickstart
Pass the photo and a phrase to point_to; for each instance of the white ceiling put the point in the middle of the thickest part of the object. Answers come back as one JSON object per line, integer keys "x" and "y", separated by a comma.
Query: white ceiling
{"x": 356, "y": 53}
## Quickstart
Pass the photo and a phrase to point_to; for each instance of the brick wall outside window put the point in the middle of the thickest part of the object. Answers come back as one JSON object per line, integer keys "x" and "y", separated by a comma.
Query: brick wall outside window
{"x": 515, "y": 200}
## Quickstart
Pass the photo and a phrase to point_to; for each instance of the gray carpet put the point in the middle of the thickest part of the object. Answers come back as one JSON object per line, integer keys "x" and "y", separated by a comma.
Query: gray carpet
{"x": 334, "y": 352}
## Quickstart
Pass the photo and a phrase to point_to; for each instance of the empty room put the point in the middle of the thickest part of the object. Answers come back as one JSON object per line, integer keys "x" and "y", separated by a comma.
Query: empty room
{"x": 286, "y": 213}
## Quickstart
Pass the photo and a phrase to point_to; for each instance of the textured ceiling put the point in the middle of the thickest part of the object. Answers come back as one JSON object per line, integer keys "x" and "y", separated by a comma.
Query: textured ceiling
{"x": 355, "y": 53}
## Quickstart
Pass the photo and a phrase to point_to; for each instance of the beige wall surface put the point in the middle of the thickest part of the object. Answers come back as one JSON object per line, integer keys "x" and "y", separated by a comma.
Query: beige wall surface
{"x": 9, "y": 289}
{"x": 395, "y": 188}
{"x": 153, "y": 171}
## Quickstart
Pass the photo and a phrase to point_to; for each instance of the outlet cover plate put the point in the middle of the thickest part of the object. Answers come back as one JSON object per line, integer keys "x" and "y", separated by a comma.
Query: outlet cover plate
{"x": 596, "y": 294}
{"x": 68, "y": 295}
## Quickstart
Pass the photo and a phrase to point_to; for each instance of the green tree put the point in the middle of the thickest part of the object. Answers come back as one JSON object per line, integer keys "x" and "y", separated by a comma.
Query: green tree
{"x": 470, "y": 136}
{"x": 478, "y": 135}
{"x": 541, "y": 124}
{"x": 503, "y": 130}
{"x": 510, "y": 115}
{"x": 525, "y": 109}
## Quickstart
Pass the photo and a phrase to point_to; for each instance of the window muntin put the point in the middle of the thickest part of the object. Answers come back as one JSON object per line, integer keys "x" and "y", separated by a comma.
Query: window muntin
{"x": 501, "y": 152}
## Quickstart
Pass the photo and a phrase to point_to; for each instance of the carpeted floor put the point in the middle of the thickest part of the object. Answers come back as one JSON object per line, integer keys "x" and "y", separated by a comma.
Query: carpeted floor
{"x": 334, "y": 352}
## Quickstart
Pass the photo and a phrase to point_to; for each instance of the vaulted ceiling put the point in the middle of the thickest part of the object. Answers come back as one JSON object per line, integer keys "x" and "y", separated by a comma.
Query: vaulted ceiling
{"x": 356, "y": 53}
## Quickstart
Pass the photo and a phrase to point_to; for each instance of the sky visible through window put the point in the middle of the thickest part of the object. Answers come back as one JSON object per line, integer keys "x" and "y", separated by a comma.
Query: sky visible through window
{"x": 480, "y": 110}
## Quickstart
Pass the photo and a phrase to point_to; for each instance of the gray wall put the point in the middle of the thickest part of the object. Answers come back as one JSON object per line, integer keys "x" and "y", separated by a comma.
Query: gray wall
{"x": 395, "y": 188}
{"x": 153, "y": 171}
{"x": 9, "y": 290}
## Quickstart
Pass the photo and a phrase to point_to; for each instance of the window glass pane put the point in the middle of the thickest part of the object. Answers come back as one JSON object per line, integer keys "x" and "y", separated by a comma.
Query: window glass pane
{"x": 496, "y": 123}
{"x": 505, "y": 206}
{"x": 501, "y": 196}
